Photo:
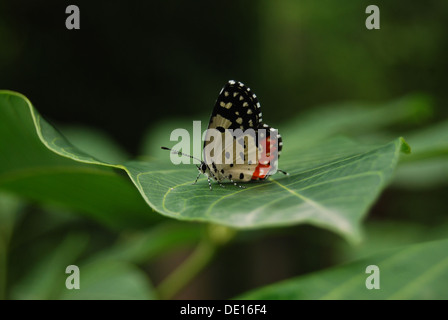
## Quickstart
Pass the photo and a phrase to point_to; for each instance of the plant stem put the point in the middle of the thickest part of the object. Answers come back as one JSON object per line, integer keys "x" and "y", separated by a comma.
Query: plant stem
{"x": 214, "y": 237}
{"x": 187, "y": 270}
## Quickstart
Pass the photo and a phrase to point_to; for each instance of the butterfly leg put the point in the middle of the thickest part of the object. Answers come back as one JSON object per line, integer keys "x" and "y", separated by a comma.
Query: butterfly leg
{"x": 209, "y": 183}
{"x": 197, "y": 178}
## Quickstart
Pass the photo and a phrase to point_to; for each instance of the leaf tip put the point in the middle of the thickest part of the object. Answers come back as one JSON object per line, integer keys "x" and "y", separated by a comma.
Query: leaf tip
{"x": 405, "y": 147}
{"x": 355, "y": 238}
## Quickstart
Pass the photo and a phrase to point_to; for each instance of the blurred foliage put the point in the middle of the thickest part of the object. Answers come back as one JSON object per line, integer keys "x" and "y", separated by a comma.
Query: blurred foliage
{"x": 412, "y": 272}
{"x": 138, "y": 67}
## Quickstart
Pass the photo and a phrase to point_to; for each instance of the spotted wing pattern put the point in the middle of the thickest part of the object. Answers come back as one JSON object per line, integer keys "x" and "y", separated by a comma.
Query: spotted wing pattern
{"x": 237, "y": 108}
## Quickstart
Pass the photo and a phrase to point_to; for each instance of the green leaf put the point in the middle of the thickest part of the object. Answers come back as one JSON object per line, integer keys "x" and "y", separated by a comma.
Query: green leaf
{"x": 29, "y": 168}
{"x": 110, "y": 280}
{"x": 10, "y": 207}
{"x": 334, "y": 192}
{"x": 380, "y": 234}
{"x": 413, "y": 272}
{"x": 47, "y": 278}
{"x": 332, "y": 183}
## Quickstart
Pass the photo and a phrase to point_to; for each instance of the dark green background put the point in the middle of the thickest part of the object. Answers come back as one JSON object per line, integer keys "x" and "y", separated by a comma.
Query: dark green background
{"x": 135, "y": 62}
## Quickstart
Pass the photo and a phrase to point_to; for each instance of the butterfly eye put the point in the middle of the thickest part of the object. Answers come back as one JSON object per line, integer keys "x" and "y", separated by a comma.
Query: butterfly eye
{"x": 203, "y": 167}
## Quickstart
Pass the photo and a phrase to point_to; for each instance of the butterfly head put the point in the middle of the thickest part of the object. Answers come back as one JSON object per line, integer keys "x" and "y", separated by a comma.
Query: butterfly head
{"x": 203, "y": 168}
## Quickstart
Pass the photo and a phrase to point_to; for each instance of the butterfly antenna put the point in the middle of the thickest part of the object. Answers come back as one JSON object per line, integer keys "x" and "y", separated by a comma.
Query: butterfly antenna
{"x": 178, "y": 152}
{"x": 284, "y": 172}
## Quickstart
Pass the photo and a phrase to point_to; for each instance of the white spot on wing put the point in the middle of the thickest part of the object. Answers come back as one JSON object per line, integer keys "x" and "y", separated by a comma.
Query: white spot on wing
{"x": 227, "y": 105}
{"x": 245, "y": 104}
{"x": 239, "y": 120}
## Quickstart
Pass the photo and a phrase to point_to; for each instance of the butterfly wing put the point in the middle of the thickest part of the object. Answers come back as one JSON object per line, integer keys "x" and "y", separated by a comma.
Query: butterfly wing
{"x": 237, "y": 108}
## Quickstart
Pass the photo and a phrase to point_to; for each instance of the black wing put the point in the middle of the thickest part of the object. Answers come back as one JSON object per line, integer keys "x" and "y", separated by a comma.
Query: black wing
{"x": 236, "y": 108}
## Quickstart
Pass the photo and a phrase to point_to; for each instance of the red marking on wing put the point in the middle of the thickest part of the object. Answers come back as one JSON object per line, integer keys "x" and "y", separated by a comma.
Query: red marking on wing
{"x": 270, "y": 149}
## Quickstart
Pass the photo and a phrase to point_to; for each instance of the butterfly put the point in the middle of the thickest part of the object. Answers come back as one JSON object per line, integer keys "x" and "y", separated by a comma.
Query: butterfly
{"x": 238, "y": 146}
